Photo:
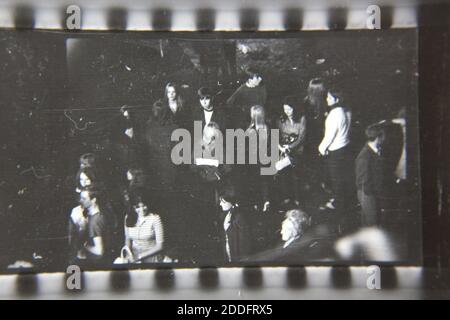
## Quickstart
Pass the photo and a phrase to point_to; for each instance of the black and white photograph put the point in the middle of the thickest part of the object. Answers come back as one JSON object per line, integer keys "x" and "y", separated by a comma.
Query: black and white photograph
{"x": 151, "y": 150}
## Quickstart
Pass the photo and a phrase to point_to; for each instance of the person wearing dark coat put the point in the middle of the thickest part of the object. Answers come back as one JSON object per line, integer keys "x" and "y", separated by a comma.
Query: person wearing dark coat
{"x": 370, "y": 175}
{"x": 236, "y": 235}
{"x": 252, "y": 92}
{"x": 208, "y": 112}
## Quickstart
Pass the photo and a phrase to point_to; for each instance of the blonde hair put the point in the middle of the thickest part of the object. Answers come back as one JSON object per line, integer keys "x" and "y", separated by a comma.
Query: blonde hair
{"x": 210, "y": 133}
{"x": 258, "y": 118}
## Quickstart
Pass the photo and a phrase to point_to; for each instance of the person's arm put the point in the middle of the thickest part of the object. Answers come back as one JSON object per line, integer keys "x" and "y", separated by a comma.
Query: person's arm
{"x": 231, "y": 100}
{"x": 301, "y": 132}
{"x": 331, "y": 129}
{"x": 159, "y": 239}
{"x": 97, "y": 248}
{"x": 127, "y": 236}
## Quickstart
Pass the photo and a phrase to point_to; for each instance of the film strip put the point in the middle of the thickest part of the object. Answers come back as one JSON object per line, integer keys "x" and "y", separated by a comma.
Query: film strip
{"x": 224, "y": 283}
{"x": 220, "y": 283}
{"x": 206, "y": 19}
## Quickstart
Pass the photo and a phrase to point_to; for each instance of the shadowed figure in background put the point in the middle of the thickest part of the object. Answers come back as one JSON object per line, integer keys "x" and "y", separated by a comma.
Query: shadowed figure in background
{"x": 236, "y": 237}
{"x": 253, "y": 92}
{"x": 258, "y": 186}
{"x": 90, "y": 226}
{"x": 315, "y": 111}
{"x": 370, "y": 176}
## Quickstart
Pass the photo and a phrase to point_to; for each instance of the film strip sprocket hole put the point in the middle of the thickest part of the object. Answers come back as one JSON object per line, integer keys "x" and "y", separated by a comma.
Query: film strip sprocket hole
{"x": 74, "y": 17}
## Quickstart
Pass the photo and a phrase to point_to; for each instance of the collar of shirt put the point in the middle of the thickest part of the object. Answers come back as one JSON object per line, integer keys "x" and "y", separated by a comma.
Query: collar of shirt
{"x": 287, "y": 243}
{"x": 374, "y": 149}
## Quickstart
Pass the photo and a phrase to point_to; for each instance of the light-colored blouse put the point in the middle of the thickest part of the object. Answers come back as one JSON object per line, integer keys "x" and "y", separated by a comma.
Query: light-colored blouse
{"x": 147, "y": 232}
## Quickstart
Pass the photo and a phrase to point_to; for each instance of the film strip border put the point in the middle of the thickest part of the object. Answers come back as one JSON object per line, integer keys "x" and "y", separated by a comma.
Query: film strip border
{"x": 74, "y": 17}
{"x": 221, "y": 283}
{"x": 226, "y": 283}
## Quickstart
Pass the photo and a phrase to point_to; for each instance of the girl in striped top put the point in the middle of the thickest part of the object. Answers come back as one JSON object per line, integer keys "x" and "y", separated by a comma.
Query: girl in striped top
{"x": 144, "y": 233}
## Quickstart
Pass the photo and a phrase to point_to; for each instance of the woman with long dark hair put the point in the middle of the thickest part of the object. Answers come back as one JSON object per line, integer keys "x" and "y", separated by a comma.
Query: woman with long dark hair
{"x": 144, "y": 232}
{"x": 292, "y": 126}
{"x": 315, "y": 104}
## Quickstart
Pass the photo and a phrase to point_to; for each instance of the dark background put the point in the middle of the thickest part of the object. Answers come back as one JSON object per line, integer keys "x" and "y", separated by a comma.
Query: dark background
{"x": 46, "y": 76}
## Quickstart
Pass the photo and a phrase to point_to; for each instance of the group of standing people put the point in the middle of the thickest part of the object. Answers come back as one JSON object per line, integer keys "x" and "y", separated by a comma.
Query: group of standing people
{"x": 147, "y": 205}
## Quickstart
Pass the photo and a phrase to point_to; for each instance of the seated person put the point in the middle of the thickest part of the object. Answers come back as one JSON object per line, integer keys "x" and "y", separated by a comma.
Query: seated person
{"x": 144, "y": 233}
{"x": 88, "y": 224}
{"x": 301, "y": 242}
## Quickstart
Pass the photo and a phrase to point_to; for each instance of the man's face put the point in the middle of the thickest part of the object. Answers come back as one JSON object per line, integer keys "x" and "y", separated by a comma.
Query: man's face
{"x": 206, "y": 103}
{"x": 85, "y": 200}
{"x": 254, "y": 81}
{"x": 287, "y": 230}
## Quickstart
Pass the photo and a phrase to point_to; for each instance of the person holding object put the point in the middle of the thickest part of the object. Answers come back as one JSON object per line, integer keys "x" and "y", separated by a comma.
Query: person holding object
{"x": 292, "y": 126}
{"x": 144, "y": 233}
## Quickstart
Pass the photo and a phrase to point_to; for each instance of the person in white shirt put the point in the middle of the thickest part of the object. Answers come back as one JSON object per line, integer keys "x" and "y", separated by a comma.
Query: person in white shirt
{"x": 334, "y": 147}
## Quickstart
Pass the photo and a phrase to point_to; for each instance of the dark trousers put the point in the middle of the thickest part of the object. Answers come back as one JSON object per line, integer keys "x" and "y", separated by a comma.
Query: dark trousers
{"x": 339, "y": 166}
{"x": 370, "y": 208}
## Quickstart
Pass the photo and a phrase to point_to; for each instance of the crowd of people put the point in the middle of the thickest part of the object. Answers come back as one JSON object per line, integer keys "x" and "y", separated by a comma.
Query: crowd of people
{"x": 147, "y": 209}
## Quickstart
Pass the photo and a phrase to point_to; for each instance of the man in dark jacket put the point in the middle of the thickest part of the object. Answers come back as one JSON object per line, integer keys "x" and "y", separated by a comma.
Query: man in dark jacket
{"x": 370, "y": 175}
{"x": 252, "y": 92}
{"x": 207, "y": 111}
{"x": 236, "y": 238}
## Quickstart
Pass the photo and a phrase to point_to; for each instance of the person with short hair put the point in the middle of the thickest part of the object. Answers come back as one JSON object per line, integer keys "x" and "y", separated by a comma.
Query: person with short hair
{"x": 301, "y": 243}
{"x": 208, "y": 111}
{"x": 87, "y": 160}
{"x": 252, "y": 92}
{"x": 335, "y": 150}
{"x": 236, "y": 236}
{"x": 369, "y": 175}
{"x": 90, "y": 227}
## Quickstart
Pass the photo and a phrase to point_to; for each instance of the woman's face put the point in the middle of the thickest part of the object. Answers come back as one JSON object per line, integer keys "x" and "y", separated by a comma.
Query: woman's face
{"x": 288, "y": 110}
{"x": 206, "y": 103}
{"x": 171, "y": 93}
{"x": 85, "y": 180}
{"x": 331, "y": 100}
{"x": 141, "y": 209}
{"x": 129, "y": 176}
{"x": 225, "y": 205}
